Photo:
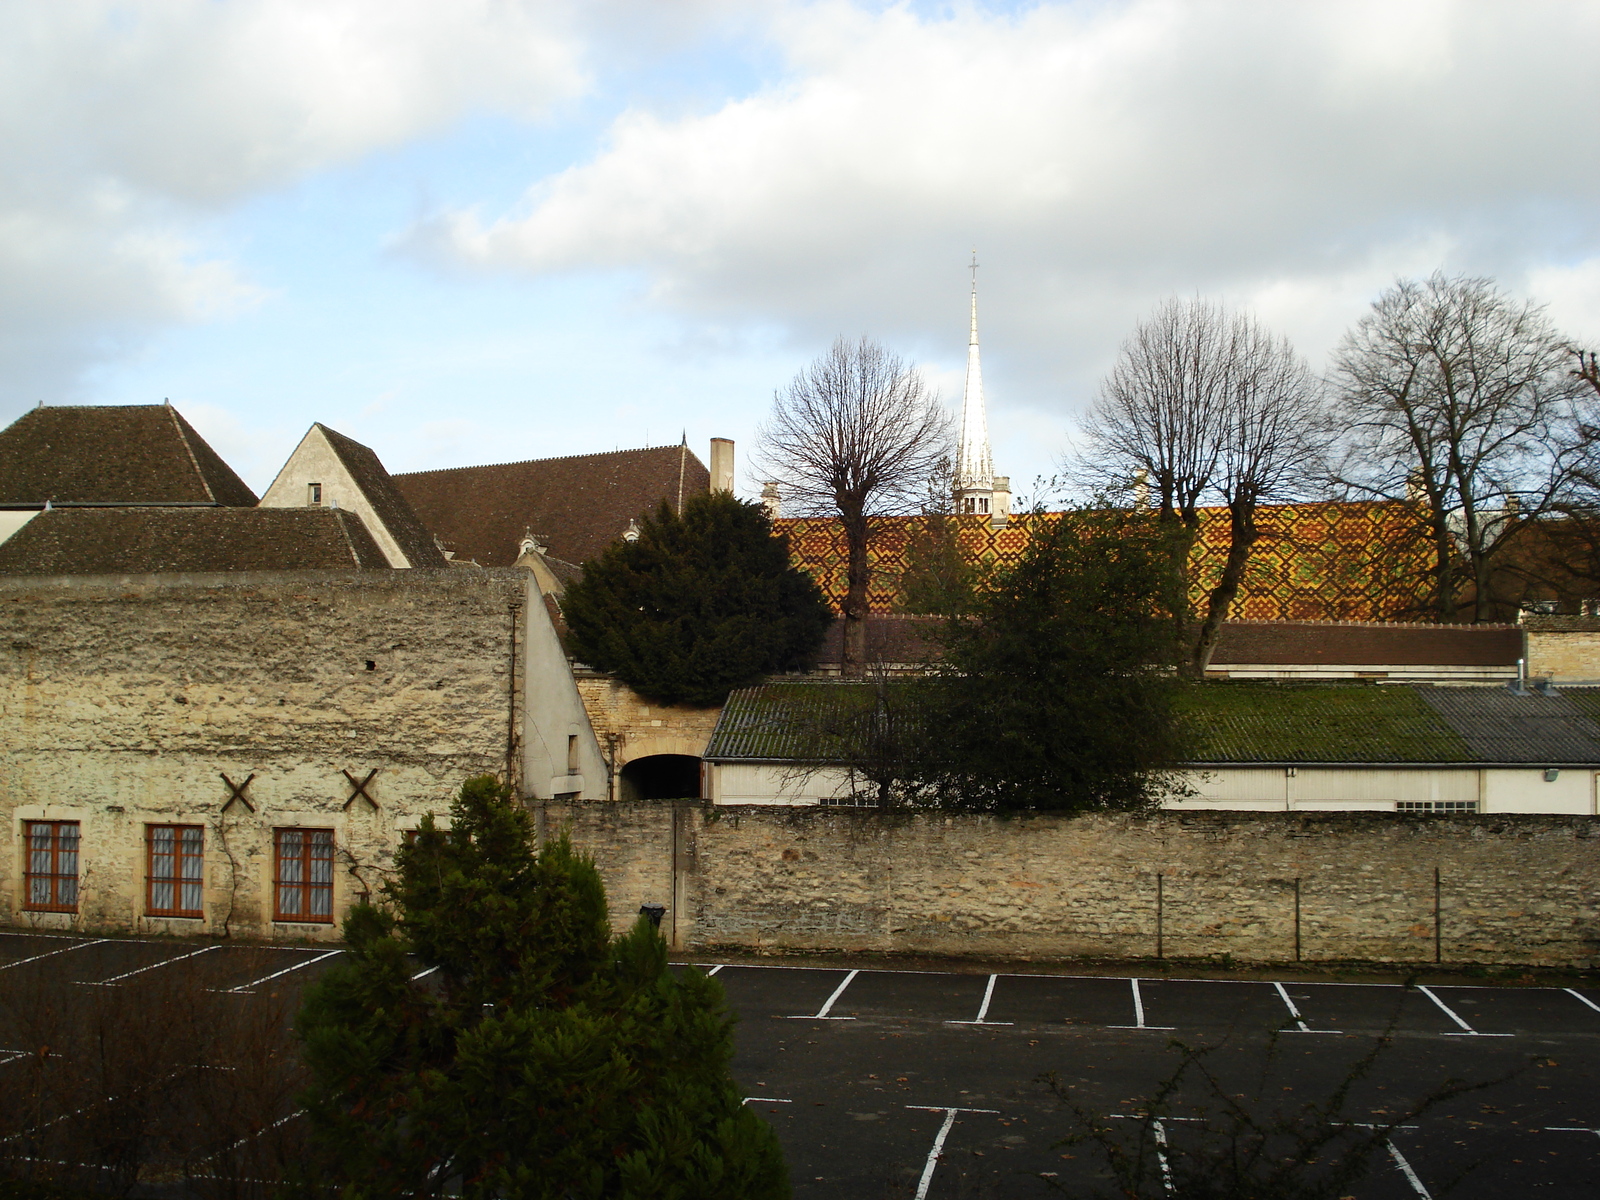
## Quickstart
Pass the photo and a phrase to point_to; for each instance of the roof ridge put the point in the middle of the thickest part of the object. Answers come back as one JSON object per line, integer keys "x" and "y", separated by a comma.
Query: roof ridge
{"x": 179, "y": 423}
{"x": 522, "y": 462}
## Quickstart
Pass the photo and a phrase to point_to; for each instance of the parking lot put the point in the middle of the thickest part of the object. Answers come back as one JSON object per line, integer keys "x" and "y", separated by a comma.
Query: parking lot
{"x": 895, "y": 1083}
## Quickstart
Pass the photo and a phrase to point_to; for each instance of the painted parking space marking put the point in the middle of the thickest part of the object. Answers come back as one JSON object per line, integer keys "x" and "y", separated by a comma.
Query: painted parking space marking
{"x": 983, "y": 1009}
{"x": 1138, "y": 1012}
{"x": 715, "y": 969}
{"x": 424, "y": 973}
{"x": 938, "y": 1142}
{"x": 165, "y": 962}
{"x": 764, "y": 1100}
{"x": 1466, "y": 1030}
{"x": 22, "y": 962}
{"x": 1581, "y": 998}
{"x": 247, "y": 989}
{"x": 1405, "y": 1169}
{"x": 827, "y": 1005}
{"x": 1294, "y": 1012}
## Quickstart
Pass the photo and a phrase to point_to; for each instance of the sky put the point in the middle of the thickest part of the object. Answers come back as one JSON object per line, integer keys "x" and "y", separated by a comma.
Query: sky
{"x": 468, "y": 231}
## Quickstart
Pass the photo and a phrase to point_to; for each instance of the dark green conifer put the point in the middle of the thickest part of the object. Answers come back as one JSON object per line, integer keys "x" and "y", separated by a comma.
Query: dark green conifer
{"x": 697, "y": 605}
{"x": 541, "y": 1059}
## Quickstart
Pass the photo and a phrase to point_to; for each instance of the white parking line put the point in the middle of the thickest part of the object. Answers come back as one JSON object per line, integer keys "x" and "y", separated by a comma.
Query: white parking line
{"x": 1581, "y": 998}
{"x": 22, "y": 962}
{"x": 822, "y": 1014}
{"x": 1466, "y": 1030}
{"x": 764, "y": 1100}
{"x": 983, "y": 1010}
{"x": 1138, "y": 1012}
{"x": 424, "y": 973}
{"x": 938, "y": 1142}
{"x": 165, "y": 962}
{"x": 715, "y": 969}
{"x": 1571, "y": 1129}
{"x": 244, "y": 989}
{"x": 1405, "y": 1169}
{"x": 1295, "y": 1013}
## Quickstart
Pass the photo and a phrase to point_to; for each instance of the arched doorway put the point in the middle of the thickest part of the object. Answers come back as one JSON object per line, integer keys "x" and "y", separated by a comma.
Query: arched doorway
{"x": 661, "y": 777}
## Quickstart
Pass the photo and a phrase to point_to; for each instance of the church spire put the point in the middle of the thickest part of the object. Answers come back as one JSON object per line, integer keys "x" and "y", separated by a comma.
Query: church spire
{"x": 974, "y": 473}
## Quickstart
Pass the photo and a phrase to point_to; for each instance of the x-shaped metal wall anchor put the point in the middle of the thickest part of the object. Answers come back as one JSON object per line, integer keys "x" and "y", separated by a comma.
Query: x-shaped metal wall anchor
{"x": 236, "y": 792}
{"x": 360, "y": 791}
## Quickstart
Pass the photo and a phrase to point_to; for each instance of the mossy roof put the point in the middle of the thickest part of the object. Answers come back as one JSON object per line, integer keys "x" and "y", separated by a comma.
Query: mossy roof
{"x": 1251, "y": 723}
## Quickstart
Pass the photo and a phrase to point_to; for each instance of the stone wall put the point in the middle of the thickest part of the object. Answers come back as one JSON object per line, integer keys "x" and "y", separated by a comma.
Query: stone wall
{"x": 1511, "y": 889}
{"x": 630, "y": 726}
{"x": 123, "y": 702}
{"x": 1565, "y": 649}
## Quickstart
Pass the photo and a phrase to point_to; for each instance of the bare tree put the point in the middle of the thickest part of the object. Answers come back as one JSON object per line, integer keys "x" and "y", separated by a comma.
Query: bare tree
{"x": 1460, "y": 399}
{"x": 1204, "y": 405}
{"x": 857, "y": 433}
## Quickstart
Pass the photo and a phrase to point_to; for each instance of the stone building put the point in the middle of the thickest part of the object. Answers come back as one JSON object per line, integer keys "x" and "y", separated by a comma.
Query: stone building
{"x": 219, "y": 718}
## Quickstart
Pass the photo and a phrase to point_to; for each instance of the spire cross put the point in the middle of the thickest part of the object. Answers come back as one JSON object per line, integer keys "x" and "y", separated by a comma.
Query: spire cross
{"x": 974, "y": 270}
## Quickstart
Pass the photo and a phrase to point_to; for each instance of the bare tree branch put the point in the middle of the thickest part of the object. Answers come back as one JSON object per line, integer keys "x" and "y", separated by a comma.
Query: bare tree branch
{"x": 857, "y": 433}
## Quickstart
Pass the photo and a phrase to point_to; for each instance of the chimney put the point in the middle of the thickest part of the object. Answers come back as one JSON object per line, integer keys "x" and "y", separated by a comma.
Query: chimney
{"x": 770, "y": 501}
{"x": 721, "y": 464}
{"x": 1001, "y": 515}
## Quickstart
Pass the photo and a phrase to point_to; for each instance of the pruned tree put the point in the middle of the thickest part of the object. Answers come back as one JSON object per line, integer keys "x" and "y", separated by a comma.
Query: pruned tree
{"x": 698, "y": 604}
{"x": 1462, "y": 400}
{"x": 857, "y": 433}
{"x": 1205, "y": 405}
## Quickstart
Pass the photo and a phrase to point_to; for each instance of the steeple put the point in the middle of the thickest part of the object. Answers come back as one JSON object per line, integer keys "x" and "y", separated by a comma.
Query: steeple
{"x": 974, "y": 471}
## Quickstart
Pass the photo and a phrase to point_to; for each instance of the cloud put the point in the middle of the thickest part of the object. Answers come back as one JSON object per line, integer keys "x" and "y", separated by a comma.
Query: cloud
{"x": 1100, "y": 157}
{"x": 124, "y": 126}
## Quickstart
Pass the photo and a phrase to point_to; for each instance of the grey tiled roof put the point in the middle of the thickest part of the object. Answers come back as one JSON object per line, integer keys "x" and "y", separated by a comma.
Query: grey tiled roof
{"x": 153, "y": 541}
{"x": 113, "y": 454}
{"x": 1245, "y": 723}
{"x": 392, "y": 509}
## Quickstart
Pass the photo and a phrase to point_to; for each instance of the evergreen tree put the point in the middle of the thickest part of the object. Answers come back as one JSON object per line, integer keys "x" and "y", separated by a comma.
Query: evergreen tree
{"x": 539, "y": 1058}
{"x": 697, "y": 605}
{"x": 1057, "y": 691}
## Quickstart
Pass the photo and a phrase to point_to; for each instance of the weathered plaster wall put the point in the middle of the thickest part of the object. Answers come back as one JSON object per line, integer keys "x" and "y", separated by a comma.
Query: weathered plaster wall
{"x": 1512, "y": 889}
{"x": 123, "y": 701}
{"x": 630, "y": 726}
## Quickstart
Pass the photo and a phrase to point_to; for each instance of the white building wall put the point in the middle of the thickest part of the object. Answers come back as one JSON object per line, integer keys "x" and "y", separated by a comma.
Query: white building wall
{"x": 12, "y": 521}
{"x": 766, "y": 784}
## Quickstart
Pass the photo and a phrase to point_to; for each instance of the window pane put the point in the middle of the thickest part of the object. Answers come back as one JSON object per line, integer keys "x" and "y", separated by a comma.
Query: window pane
{"x": 289, "y": 901}
{"x": 38, "y": 891}
{"x": 321, "y": 901}
{"x": 67, "y": 891}
{"x": 160, "y": 895}
{"x": 191, "y": 897}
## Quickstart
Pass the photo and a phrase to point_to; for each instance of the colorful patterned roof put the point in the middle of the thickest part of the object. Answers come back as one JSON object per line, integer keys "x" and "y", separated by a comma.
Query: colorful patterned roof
{"x": 1314, "y": 562}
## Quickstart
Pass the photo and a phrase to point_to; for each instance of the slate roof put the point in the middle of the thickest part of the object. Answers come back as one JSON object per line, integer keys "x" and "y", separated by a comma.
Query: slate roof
{"x": 111, "y": 454}
{"x": 1260, "y": 724}
{"x": 1361, "y": 643}
{"x": 397, "y": 515}
{"x": 906, "y": 639}
{"x": 576, "y": 506}
{"x": 150, "y": 541}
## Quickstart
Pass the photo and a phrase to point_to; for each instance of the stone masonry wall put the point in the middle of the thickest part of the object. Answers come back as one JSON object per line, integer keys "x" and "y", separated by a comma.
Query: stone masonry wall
{"x": 631, "y": 726}
{"x": 1511, "y": 889}
{"x": 122, "y": 702}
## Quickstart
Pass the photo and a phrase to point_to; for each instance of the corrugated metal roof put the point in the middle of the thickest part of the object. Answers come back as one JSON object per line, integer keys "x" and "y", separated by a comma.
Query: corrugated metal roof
{"x": 1239, "y": 723}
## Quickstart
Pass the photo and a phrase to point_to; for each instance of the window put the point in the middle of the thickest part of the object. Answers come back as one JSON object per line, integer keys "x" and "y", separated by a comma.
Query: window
{"x": 174, "y": 885}
{"x": 572, "y": 754}
{"x": 1436, "y": 806}
{"x": 313, "y": 494}
{"x": 50, "y": 879}
{"x": 303, "y": 876}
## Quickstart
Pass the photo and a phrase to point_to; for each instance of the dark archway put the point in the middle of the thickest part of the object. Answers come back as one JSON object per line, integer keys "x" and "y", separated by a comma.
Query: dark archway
{"x": 662, "y": 777}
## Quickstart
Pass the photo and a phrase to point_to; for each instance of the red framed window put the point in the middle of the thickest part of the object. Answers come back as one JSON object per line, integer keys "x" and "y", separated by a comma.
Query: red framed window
{"x": 175, "y": 882}
{"x": 302, "y": 884}
{"x": 50, "y": 875}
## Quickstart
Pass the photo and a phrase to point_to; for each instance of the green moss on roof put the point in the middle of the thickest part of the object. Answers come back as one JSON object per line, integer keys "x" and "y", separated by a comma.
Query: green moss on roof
{"x": 1317, "y": 724}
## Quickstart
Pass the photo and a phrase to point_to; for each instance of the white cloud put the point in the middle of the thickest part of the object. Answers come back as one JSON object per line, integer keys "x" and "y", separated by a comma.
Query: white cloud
{"x": 123, "y": 124}
{"x": 1100, "y": 157}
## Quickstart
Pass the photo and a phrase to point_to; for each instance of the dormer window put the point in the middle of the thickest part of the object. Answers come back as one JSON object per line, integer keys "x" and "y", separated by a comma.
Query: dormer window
{"x": 313, "y": 494}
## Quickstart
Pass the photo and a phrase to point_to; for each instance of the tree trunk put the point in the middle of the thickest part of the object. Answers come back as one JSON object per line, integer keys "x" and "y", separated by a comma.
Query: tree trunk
{"x": 1183, "y": 529}
{"x": 858, "y": 574}
{"x": 1243, "y": 534}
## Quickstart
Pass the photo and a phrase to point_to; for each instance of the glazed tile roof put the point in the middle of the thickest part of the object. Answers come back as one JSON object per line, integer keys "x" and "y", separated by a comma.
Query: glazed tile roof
{"x": 1317, "y": 562}
{"x": 575, "y": 506}
{"x": 151, "y": 541}
{"x": 398, "y": 517}
{"x": 111, "y": 454}
{"x": 1264, "y": 724}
